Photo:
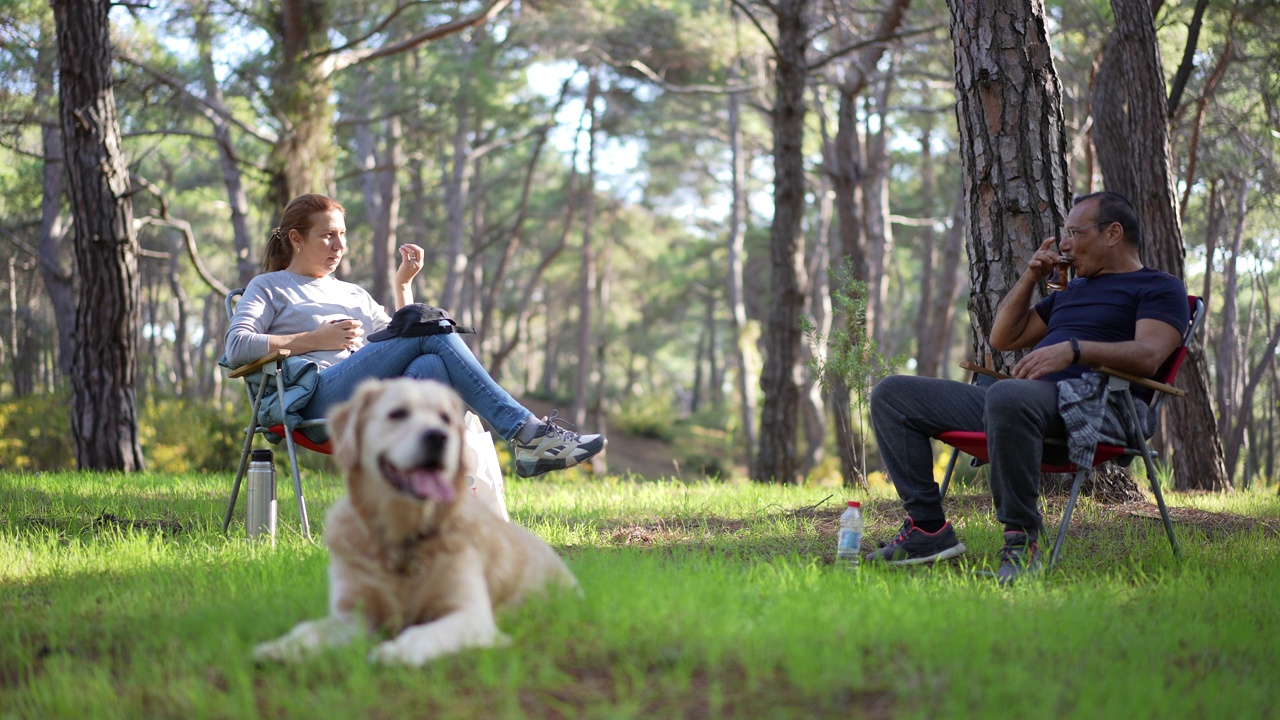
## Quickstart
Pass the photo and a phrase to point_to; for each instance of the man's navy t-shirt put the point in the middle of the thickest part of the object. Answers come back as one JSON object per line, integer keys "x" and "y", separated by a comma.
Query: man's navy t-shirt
{"x": 1107, "y": 308}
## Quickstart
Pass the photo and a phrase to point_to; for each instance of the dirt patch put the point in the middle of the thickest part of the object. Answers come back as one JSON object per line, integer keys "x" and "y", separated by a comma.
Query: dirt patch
{"x": 642, "y": 457}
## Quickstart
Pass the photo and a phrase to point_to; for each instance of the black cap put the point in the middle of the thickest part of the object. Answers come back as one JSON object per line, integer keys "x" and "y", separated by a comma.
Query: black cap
{"x": 417, "y": 319}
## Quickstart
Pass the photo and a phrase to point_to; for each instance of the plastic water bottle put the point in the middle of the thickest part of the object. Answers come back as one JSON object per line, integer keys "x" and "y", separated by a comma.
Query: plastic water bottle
{"x": 848, "y": 547}
{"x": 260, "y": 513}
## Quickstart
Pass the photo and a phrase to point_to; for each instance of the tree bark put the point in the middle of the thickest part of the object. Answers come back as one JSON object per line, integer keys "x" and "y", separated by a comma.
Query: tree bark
{"x": 104, "y": 421}
{"x": 737, "y": 304}
{"x": 1009, "y": 111}
{"x": 587, "y": 273}
{"x": 778, "y": 459}
{"x": 1198, "y": 454}
{"x": 846, "y": 169}
{"x": 237, "y": 200}
{"x": 300, "y": 88}
{"x": 1015, "y": 156}
{"x": 59, "y": 283}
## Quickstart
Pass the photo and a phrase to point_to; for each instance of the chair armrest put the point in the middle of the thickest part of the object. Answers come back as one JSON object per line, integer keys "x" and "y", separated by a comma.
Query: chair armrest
{"x": 258, "y": 364}
{"x": 1144, "y": 382}
{"x": 976, "y": 368}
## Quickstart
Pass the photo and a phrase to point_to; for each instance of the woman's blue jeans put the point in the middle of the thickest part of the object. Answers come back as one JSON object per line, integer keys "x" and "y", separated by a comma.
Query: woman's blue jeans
{"x": 429, "y": 357}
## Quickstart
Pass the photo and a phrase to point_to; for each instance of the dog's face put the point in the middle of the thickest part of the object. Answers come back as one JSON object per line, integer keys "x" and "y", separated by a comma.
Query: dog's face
{"x": 401, "y": 440}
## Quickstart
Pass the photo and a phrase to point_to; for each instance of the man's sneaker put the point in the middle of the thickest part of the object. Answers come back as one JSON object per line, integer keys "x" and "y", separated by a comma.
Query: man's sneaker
{"x": 554, "y": 448}
{"x": 914, "y": 546}
{"x": 1020, "y": 556}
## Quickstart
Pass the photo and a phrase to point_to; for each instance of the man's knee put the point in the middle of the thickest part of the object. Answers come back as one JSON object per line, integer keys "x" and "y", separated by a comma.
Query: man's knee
{"x": 1019, "y": 400}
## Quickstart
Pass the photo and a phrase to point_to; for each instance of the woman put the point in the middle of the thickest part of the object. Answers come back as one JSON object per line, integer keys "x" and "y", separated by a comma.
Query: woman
{"x": 298, "y": 305}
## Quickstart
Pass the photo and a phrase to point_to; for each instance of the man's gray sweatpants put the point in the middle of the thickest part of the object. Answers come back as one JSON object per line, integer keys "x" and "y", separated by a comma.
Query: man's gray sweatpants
{"x": 1016, "y": 415}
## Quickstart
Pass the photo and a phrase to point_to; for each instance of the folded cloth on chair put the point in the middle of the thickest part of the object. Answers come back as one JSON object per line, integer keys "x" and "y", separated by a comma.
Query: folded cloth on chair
{"x": 1092, "y": 416}
{"x": 417, "y": 319}
{"x": 300, "y": 379}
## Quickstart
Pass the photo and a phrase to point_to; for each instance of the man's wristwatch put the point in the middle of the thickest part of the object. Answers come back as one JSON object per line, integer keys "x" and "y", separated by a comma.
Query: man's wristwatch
{"x": 1075, "y": 351}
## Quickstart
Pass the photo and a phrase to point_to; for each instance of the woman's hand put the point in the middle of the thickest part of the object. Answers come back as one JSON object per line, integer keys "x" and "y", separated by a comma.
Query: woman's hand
{"x": 411, "y": 257}
{"x": 341, "y": 334}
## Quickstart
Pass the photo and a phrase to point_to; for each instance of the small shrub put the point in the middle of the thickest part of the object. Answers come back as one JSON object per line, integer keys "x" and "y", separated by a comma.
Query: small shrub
{"x": 651, "y": 416}
{"x": 183, "y": 435}
{"x": 35, "y": 433}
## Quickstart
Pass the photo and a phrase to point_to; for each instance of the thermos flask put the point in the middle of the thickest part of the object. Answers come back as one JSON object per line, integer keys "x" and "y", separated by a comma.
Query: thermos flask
{"x": 261, "y": 514}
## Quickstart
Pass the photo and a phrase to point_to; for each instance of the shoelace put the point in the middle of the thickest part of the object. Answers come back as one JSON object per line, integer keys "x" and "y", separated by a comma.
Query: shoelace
{"x": 554, "y": 429}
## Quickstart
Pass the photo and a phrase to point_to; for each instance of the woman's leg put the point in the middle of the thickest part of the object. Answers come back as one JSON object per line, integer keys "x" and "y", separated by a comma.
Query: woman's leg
{"x": 440, "y": 357}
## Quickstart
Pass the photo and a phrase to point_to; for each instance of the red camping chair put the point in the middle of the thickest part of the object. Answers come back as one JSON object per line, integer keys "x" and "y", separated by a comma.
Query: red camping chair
{"x": 975, "y": 443}
{"x": 271, "y": 366}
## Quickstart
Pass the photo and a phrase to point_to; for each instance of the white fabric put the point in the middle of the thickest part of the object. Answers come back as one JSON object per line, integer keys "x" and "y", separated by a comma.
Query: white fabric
{"x": 486, "y": 476}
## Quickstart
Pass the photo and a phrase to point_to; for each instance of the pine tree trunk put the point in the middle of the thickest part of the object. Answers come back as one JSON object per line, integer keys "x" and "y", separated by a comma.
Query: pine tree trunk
{"x": 1197, "y": 447}
{"x": 104, "y": 421}
{"x": 238, "y": 201}
{"x": 778, "y": 459}
{"x": 1014, "y": 151}
{"x": 587, "y": 272}
{"x": 737, "y": 303}
{"x": 57, "y": 282}
{"x": 300, "y": 159}
{"x": 1009, "y": 111}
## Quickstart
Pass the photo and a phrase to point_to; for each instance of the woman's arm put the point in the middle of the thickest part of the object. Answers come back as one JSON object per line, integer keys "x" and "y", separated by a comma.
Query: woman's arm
{"x": 410, "y": 265}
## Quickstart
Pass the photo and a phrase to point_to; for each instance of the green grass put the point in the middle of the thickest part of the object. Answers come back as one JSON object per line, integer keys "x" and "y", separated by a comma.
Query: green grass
{"x": 120, "y": 597}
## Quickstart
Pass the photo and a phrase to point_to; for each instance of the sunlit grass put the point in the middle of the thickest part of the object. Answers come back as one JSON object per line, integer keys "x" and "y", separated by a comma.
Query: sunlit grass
{"x": 120, "y": 597}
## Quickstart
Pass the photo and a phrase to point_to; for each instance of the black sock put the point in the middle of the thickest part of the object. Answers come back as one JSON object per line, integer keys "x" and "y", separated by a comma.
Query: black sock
{"x": 930, "y": 526}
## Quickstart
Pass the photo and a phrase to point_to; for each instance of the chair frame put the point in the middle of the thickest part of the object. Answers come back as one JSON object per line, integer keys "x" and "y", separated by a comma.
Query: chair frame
{"x": 272, "y": 366}
{"x": 1117, "y": 382}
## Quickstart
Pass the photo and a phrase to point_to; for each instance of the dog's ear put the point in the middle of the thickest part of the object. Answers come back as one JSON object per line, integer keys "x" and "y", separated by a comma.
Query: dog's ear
{"x": 345, "y": 421}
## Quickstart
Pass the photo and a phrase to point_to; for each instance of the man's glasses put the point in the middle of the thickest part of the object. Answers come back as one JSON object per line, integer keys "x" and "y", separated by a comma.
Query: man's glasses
{"x": 1073, "y": 233}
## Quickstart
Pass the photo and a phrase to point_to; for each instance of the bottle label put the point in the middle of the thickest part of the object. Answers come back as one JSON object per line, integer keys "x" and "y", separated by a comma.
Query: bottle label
{"x": 849, "y": 541}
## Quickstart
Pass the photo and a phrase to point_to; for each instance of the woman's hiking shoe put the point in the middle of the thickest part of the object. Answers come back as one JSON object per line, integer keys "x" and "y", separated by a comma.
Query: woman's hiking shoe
{"x": 1019, "y": 557}
{"x": 914, "y": 546}
{"x": 554, "y": 448}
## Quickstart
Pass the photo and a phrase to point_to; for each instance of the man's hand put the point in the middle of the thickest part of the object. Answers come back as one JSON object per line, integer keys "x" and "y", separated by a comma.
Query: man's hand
{"x": 1044, "y": 258}
{"x": 1042, "y": 361}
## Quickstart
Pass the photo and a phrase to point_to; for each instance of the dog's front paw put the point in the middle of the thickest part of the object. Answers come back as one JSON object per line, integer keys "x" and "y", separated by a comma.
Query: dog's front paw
{"x": 392, "y": 652}
{"x": 306, "y": 638}
{"x": 282, "y": 649}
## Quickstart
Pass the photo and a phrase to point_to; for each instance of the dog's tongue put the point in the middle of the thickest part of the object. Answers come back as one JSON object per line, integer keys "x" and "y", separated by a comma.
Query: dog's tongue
{"x": 429, "y": 484}
{"x": 422, "y": 483}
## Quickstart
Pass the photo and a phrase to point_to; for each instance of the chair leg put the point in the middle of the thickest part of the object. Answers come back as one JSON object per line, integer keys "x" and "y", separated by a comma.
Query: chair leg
{"x": 1066, "y": 516}
{"x": 1155, "y": 483}
{"x": 293, "y": 463}
{"x": 946, "y": 477}
{"x": 249, "y": 432}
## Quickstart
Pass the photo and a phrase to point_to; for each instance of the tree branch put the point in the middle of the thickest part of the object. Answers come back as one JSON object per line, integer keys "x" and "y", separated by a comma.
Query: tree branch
{"x": 658, "y": 80}
{"x": 751, "y": 16}
{"x": 338, "y": 61}
{"x": 181, "y": 225}
{"x": 1188, "y": 58}
{"x": 209, "y": 108}
{"x": 57, "y": 272}
{"x": 837, "y": 54}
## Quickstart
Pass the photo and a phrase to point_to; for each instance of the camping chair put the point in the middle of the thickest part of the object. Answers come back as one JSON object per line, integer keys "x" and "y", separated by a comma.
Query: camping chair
{"x": 975, "y": 443}
{"x": 271, "y": 366}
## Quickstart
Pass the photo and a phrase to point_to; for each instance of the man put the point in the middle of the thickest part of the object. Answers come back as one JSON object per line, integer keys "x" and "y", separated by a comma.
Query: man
{"x": 1116, "y": 312}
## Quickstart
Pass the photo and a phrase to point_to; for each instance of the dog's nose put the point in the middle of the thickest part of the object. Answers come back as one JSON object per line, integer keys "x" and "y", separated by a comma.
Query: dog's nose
{"x": 433, "y": 442}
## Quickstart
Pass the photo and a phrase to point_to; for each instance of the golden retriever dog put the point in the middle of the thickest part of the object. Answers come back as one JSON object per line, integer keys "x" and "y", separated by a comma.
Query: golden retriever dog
{"x": 412, "y": 555}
